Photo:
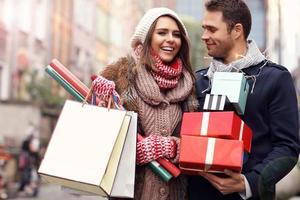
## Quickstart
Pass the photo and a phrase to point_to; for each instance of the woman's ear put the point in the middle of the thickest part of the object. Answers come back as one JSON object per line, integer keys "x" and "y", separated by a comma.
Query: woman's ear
{"x": 238, "y": 31}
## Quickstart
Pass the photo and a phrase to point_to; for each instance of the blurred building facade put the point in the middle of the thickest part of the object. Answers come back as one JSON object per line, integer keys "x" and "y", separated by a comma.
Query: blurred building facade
{"x": 23, "y": 44}
{"x": 85, "y": 35}
{"x": 283, "y": 34}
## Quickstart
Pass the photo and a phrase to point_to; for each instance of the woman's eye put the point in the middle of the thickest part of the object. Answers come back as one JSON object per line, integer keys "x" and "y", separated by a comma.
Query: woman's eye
{"x": 178, "y": 35}
{"x": 161, "y": 33}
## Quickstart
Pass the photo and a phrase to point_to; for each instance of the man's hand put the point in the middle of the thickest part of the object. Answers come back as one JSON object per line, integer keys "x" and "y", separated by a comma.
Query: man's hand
{"x": 233, "y": 183}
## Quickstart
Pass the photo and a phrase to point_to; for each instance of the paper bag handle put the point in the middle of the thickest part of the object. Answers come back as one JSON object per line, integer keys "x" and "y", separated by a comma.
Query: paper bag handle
{"x": 88, "y": 96}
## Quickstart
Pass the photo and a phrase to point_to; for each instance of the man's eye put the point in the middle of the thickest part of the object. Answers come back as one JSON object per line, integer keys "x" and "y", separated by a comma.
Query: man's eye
{"x": 209, "y": 29}
{"x": 212, "y": 30}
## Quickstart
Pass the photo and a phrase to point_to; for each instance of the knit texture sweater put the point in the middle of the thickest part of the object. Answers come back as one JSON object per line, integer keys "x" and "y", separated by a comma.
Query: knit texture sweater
{"x": 159, "y": 113}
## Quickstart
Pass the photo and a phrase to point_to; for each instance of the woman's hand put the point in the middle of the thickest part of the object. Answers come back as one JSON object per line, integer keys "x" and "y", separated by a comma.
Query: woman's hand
{"x": 154, "y": 147}
{"x": 102, "y": 88}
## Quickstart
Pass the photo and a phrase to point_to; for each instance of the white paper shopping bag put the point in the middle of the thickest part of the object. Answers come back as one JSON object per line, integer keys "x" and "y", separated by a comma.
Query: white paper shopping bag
{"x": 85, "y": 148}
{"x": 124, "y": 181}
{"x": 123, "y": 186}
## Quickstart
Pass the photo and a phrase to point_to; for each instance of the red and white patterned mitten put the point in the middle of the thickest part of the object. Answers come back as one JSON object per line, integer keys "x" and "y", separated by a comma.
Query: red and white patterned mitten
{"x": 102, "y": 87}
{"x": 154, "y": 147}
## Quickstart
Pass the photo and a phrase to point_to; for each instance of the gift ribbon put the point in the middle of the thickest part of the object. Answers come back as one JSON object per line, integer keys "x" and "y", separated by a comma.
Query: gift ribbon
{"x": 241, "y": 130}
{"x": 204, "y": 124}
{"x": 209, "y": 157}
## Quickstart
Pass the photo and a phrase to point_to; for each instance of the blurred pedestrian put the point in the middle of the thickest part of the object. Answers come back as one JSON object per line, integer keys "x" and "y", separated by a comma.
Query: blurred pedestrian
{"x": 271, "y": 110}
{"x": 4, "y": 158}
{"x": 29, "y": 159}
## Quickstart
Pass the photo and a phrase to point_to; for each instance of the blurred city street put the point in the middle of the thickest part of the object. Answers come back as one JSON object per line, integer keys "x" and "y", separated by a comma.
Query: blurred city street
{"x": 86, "y": 36}
{"x": 54, "y": 192}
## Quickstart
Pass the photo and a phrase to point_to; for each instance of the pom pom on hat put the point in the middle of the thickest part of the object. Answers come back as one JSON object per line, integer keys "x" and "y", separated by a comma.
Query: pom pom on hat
{"x": 147, "y": 20}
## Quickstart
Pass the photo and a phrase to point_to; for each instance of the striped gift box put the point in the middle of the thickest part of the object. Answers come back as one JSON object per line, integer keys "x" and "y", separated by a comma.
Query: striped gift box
{"x": 217, "y": 102}
{"x": 234, "y": 85}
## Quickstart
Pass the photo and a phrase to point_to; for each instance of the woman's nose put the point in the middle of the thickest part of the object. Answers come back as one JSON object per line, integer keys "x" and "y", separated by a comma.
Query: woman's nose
{"x": 170, "y": 38}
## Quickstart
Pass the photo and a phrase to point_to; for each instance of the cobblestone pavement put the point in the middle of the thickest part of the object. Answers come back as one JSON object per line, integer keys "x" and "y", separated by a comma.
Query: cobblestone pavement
{"x": 54, "y": 192}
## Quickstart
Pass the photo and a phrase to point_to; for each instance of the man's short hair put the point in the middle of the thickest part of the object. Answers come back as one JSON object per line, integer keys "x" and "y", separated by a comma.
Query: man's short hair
{"x": 234, "y": 11}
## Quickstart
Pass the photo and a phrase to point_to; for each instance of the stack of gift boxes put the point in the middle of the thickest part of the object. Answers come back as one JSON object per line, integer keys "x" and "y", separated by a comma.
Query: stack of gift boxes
{"x": 217, "y": 139}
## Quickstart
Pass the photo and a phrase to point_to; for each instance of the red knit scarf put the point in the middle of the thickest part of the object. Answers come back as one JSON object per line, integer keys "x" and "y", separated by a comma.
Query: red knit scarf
{"x": 165, "y": 75}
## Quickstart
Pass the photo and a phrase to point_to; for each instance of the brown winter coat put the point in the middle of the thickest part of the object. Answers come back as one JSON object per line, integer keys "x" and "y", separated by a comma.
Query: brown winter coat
{"x": 158, "y": 113}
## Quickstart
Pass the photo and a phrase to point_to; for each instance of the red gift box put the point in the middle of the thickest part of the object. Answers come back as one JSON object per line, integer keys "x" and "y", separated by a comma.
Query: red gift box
{"x": 210, "y": 154}
{"x": 225, "y": 125}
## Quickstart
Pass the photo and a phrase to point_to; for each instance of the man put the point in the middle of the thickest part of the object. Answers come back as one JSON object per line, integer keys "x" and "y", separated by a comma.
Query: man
{"x": 271, "y": 110}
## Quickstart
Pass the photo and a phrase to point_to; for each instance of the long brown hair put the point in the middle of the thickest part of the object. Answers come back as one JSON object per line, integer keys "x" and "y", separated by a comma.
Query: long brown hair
{"x": 183, "y": 54}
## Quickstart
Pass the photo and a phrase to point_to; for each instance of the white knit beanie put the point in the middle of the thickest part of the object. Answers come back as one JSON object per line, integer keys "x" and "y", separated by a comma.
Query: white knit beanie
{"x": 147, "y": 20}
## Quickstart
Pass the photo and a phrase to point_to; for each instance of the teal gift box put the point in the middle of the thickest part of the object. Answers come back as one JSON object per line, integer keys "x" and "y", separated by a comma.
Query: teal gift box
{"x": 234, "y": 86}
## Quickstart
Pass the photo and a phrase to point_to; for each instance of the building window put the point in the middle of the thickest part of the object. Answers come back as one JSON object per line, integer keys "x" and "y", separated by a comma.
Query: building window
{"x": 24, "y": 15}
{"x": 258, "y": 29}
{"x": 84, "y": 14}
{"x": 192, "y": 8}
{"x": 102, "y": 25}
{"x": 2, "y": 44}
{"x": 1, "y": 81}
{"x": 23, "y": 39}
{"x": 116, "y": 31}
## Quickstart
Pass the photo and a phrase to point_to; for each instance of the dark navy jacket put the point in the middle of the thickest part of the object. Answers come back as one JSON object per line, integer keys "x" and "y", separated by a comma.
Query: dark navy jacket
{"x": 271, "y": 112}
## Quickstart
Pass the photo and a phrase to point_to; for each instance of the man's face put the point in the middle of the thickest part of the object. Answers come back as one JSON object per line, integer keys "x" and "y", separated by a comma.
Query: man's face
{"x": 218, "y": 40}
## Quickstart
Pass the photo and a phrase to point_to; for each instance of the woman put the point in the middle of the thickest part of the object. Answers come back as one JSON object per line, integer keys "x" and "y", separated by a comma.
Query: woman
{"x": 156, "y": 81}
